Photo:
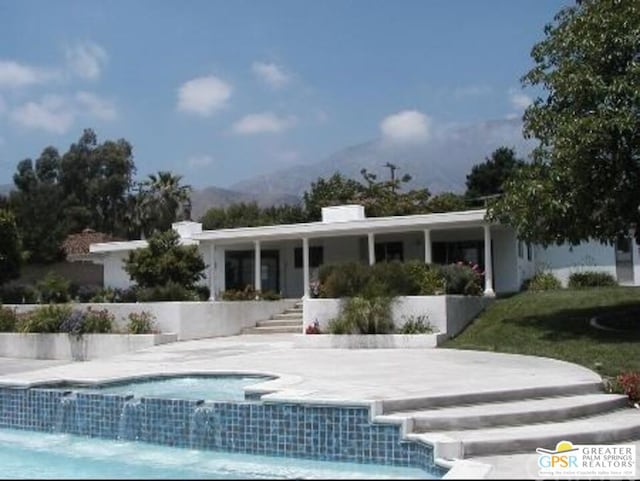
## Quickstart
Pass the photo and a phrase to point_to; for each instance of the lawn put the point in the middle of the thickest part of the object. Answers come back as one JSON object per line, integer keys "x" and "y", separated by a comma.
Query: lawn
{"x": 556, "y": 324}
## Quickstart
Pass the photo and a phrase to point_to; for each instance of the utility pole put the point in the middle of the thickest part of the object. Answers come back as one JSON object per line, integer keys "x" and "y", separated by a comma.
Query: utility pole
{"x": 393, "y": 169}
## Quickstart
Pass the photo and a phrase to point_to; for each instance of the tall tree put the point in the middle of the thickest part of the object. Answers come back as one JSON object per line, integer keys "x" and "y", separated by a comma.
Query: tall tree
{"x": 10, "y": 251}
{"x": 489, "y": 177}
{"x": 39, "y": 207}
{"x": 163, "y": 200}
{"x": 585, "y": 178}
{"x": 335, "y": 190}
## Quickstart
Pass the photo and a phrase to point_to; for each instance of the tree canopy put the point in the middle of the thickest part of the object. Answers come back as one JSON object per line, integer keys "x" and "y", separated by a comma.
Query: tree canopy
{"x": 165, "y": 262}
{"x": 584, "y": 181}
{"x": 10, "y": 252}
{"x": 488, "y": 178}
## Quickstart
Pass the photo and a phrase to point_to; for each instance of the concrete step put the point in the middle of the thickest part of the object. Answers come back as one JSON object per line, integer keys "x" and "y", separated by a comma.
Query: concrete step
{"x": 288, "y": 315}
{"x": 273, "y": 330}
{"x": 508, "y": 413}
{"x": 281, "y": 323}
{"x": 616, "y": 426}
{"x": 457, "y": 399}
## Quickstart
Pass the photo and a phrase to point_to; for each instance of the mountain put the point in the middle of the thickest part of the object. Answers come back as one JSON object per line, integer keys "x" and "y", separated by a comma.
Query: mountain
{"x": 441, "y": 164}
{"x": 5, "y": 189}
{"x": 203, "y": 199}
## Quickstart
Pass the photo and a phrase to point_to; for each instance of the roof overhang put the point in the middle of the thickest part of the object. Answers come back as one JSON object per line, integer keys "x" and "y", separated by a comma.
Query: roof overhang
{"x": 124, "y": 246}
{"x": 448, "y": 220}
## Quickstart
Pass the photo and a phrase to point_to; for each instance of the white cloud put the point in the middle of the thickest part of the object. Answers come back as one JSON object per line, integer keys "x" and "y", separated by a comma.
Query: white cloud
{"x": 407, "y": 126}
{"x": 199, "y": 161}
{"x": 86, "y": 60}
{"x": 96, "y": 107}
{"x": 52, "y": 114}
{"x": 519, "y": 101}
{"x": 14, "y": 74}
{"x": 266, "y": 122}
{"x": 203, "y": 95}
{"x": 288, "y": 156}
{"x": 271, "y": 74}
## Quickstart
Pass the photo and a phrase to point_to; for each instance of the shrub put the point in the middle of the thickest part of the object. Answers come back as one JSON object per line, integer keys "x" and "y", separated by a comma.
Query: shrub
{"x": 98, "y": 322}
{"x": 629, "y": 382}
{"x": 74, "y": 324}
{"x": 45, "y": 319}
{"x": 53, "y": 289}
{"x": 345, "y": 280}
{"x": 360, "y": 315}
{"x": 8, "y": 319}
{"x": 462, "y": 279}
{"x": 579, "y": 280}
{"x": 391, "y": 279}
{"x": 542, "y": 281}
{"x": 416, "y": 325}
{"x": 86, "y": 293}
{"x": 203, "y": 292}
{"x": 141, "y": 323}
{"x": 425, "y": 279}
{"x": 250, "y": 294}
{"x": 168, "y": 292}
{"x": 18, "y": 294}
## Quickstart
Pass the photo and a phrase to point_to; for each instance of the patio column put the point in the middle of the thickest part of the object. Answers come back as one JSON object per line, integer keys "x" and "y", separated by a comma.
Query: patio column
{"x": 257, "y": 280}
{"x": 427, "y": 246}
{"x": 372, "y": 248}
{"x": 488, "y": 263}
{"x": 212, "y": 272}
{"x": 305, "y": 267}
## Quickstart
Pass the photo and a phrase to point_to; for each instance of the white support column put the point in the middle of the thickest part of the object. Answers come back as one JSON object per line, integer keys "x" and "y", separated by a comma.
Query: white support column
{"x": 372, "y": 248}
{"x": 488, "y": 263}
{"x": 257, "y": 280}
{"x": 212, "y": 272}
{"x": 427, "y": 246}
{"x": 305, "y": 267}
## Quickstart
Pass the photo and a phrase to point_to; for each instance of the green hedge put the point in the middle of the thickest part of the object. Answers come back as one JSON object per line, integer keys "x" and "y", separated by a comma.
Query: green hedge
{"x": 579, "y": 280}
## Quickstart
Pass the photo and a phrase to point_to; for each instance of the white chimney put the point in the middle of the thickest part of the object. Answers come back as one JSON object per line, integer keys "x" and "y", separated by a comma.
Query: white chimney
{"x": 343, "y": 213}
{"x": 187, "y": 228}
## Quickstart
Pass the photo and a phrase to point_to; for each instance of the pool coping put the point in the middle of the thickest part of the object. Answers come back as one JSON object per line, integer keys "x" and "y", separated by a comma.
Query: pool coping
{"x": 444, "y": 450}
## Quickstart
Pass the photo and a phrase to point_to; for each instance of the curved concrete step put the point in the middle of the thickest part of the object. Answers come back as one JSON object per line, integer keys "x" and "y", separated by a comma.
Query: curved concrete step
{"x": 509, "y": 413}
{"x": 429, "y": 402}
{"x": 281, "y": 323}
{"x": 616, "y": 426}
{"x": 273, "y": 330}
{"x": 288, "y": 315}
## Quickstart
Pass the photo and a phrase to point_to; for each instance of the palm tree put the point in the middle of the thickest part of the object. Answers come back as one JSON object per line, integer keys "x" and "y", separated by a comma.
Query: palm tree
{"x": 162, "y": 201}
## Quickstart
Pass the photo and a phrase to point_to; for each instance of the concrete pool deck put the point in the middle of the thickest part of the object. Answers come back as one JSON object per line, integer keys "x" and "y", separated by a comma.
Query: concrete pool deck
{"x": 332, "y": 375}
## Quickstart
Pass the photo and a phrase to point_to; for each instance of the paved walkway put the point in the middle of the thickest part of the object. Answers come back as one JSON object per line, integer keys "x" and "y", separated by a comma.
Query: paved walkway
{"x": 329, "y": 374}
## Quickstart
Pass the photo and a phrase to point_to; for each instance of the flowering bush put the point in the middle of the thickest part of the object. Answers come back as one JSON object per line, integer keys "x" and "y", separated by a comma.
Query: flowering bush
{"x": 630, "y": 384}
{"x": 313, "y": 328}
{"x": 141, "y": 323}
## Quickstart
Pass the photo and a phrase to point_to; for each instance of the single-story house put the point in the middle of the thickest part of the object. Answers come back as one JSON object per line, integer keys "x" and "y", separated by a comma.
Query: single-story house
{"x": 285, "y": 258}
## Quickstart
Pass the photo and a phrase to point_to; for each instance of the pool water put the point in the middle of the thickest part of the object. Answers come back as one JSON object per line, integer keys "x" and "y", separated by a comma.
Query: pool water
{"x": 208, "y": 388}
{"x": 36, "y": 455}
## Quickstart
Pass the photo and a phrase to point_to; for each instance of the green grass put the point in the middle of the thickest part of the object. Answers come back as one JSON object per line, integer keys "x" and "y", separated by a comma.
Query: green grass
{"x": 556, "y": 324}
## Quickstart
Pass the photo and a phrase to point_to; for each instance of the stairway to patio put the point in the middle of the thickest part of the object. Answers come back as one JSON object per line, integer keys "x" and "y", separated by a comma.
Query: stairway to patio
{"x": 515, "y": 421}
{"x": 289, "y": 321}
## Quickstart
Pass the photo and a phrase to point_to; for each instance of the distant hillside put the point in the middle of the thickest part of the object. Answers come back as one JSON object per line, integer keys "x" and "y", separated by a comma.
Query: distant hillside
{"x": 5, "y": 188}
{"x": 440, "y": 164}
{"x": 204, "y": 199}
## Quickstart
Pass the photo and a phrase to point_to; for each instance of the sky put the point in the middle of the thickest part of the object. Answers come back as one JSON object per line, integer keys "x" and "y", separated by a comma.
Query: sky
{"x": 221, "y": 91}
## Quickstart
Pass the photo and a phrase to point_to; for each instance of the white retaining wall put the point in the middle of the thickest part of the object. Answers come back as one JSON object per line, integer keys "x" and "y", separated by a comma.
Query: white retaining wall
{"x": 72, "y": 348}
{"x": 447, "y": 314}
{"x": 564, "y": 260}
{"x": 192, "y": 320}
{"x": 369, "y": 341}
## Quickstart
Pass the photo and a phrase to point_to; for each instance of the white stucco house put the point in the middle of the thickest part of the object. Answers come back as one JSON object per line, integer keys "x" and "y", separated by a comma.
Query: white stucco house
{"x": 285, "y": 258}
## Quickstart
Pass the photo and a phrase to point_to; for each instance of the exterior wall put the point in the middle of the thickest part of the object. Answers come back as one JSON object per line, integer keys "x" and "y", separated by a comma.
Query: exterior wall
{"x": 506, "y": 269}
{"x": 114, "y": 274}
{"x": 81, "y": 273}
{"x": 447, "y": 314}
{"x": 192, "y": 320}
{"x": 564, "y": 260}
{"x": 68, "y": 347}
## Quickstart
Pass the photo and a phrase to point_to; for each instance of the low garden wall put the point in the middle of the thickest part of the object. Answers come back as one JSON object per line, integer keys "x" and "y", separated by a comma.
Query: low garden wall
{"x": 76, "y": 348}
{"x": 448, "y": 314}
{"x": 190, "y": 320}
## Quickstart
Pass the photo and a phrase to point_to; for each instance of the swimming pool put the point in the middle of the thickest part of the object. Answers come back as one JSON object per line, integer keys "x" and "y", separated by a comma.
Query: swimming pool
{"x": 26, "y": 454}
{"x": 207, "y": 388}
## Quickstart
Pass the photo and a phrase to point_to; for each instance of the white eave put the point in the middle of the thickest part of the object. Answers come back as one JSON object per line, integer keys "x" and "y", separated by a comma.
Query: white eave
{"x": 123, "y": 246}
{"x": 461, "y": 219}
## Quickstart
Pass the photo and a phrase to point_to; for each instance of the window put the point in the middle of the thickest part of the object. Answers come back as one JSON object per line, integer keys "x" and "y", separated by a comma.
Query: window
{"x": 520, "y": 249}
{"x": 529, "y": 251}
{"x": 389, "y": 251}
{"x": 316, "y": 257}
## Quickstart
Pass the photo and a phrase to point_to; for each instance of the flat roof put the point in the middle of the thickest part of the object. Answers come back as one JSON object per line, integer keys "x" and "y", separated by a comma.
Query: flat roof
{"x": 404, "y": 223}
